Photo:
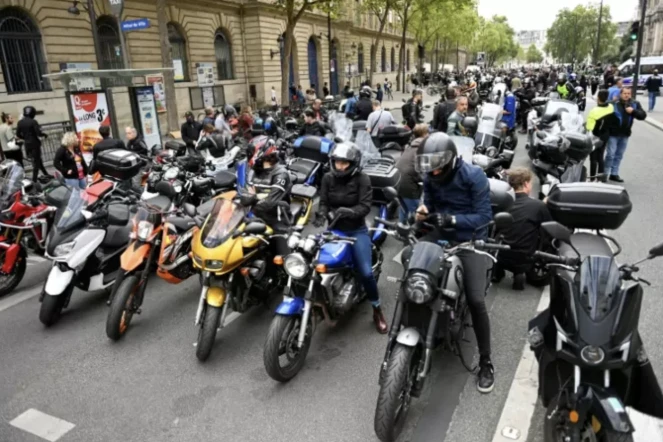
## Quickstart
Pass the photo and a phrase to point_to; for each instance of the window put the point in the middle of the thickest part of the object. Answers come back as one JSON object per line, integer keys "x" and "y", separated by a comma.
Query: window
{"x": 360, "y": 58}
{"x": 109, "y": 42}
{"x": 372, "y": 57}
{"x": 383, "y": 54}
{"x": 393, "y": 59}
{"x": 178, "y": 51}
{"x": 22, "y": 58}
{"x": 224, "y": 55}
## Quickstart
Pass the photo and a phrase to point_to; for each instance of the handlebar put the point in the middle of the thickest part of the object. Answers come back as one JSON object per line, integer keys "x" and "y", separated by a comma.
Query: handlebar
{"x": 556, "y": 259}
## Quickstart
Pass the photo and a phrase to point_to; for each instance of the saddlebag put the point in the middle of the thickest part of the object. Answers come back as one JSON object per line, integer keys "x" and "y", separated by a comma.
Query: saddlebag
{"x": 383, "y": 173}
{"x": 118, "y": 163}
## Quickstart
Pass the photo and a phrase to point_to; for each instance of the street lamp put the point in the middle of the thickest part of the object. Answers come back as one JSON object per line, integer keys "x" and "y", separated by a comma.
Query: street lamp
{"x": 73, "y": 10}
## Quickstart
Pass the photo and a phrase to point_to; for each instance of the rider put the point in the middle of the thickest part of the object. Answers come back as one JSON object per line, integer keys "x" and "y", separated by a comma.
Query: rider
{"x": 565, "y": 89}
{"x": 454, "y": 126}
{"x": 346, "y": 193}
{"x": 459, "y": 196}
{"x": 443, "y": 110}
{"x": 509, "y": 113}
{"x": 319, "y": 111}
{"x": 365, "y": 105}
{"x": 311, "y": 125}
{"x": 212, "y": 141}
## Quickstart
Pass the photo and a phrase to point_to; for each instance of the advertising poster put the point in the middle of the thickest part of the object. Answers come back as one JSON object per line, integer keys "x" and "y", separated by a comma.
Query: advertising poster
{"x": 208, "y": 96}
{"x": 90, "y": 110}
{"x": 147, "y": 113}
{"x": 179, "y": 69}
{"x": 156, "y": 81}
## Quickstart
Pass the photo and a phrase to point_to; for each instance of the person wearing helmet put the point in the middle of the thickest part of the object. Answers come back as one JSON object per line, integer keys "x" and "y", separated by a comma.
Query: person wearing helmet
{"x": 457, "y": 195}
{"x": 573, "y": 79}
{"x": 345, "y": 198}
{"x": 212, "y": 141}
{"x": 29, "y": 130}
{"x": 364, "y": 105}
{"x": 350, "y": 104}
{"x": 190, "y": 130}
{"x": 565, "y": 89}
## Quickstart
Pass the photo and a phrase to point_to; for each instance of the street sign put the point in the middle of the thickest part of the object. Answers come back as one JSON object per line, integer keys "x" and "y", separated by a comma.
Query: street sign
{"x": 481, "y": 58}
{"x": 116, "y": 7}
{"x": 135, "y": 25}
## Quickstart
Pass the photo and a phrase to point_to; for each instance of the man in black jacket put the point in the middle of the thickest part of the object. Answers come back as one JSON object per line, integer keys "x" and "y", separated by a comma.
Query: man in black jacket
{"x": 653, "y": 85}
{"x": 190, "y": 130}
{"x": 365, "y": 104}
{"x": 414, "y": 112}
{"x": 311, "y": 125}
{"x": 135, "y": 142}
{"x": 443, "y": 110}
{"x": 626, "y": 110}
{"x": 107, "y": 143}
{"x": 30, "y": 132}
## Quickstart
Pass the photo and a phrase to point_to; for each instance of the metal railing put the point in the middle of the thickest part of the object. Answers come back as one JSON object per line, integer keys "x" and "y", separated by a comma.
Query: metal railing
{"x": 51, "y": 144}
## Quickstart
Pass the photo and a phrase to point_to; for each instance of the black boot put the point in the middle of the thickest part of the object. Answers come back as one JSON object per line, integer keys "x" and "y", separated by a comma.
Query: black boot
{"x": 518, "y": 281}
{"x": 486, "y": 376}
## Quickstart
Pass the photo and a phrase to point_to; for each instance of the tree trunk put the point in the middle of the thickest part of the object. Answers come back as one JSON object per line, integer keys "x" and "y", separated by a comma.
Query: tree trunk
{"x": 376, "y": 42}
{"x": 458, "y": 56}
{"x": 285, "y": 64}
{"x": 172, "y": 123}
{"x": 404, "y": 52}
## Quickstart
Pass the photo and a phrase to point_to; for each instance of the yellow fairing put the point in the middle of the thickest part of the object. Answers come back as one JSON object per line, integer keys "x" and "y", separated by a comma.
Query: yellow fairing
{"x": 216, "y": 296}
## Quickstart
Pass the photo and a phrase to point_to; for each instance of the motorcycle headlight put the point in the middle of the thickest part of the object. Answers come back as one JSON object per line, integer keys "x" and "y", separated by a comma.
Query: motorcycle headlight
{"x": 171, "y": 173}
{"x": 64, "y": 249}
{"x": 592, "y": 355}
{"x": 295, "y": 266}
{"x": 418, "y": 288}
{"x": 309, "y": 245}
{"x": 293, "y": 241}
{"x": 145, "y": 229}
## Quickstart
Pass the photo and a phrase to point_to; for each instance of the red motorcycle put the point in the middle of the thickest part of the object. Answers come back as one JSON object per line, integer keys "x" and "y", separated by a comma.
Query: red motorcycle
{"x": 24, "y": 222}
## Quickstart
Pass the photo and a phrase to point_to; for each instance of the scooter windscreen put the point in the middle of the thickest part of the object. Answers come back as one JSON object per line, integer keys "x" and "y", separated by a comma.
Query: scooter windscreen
{"x": 599, "y": 286}
{"x": 464, "y": 147}
{"x": 70, "y": 215}
{"x": 11, "y": 180}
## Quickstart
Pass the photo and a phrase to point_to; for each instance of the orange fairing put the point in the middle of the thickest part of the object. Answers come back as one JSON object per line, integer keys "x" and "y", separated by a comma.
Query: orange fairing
{"x": 134, "y": 256}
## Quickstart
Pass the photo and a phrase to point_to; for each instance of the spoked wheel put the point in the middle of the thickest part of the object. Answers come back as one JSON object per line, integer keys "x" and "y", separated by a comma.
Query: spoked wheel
{"x": 555, "y": 428}
{"x": 9, "y": 281}
{"x": 122, "y": 308}
{"x": 282, "y": 357}
{"x": 395, "y": 393}
{"x": 462, "y": 344}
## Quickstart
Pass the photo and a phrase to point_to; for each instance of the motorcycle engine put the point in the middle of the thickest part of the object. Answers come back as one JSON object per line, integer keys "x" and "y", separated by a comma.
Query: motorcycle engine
{"x": 344, "y": 294}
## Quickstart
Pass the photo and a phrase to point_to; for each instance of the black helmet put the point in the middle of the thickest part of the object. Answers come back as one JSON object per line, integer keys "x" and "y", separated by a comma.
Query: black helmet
{"x": 365, "y": 92}
{"x": 29, "y": 111}
{"x": 349, "y": 93}
{"x": 229, "y": 111}
{"x": 437, "y": 157}
{"x": 346, "y": 151}
{"x": 561, "y": 78}
{"x": 470, "y": 124}
{"x": 258, "y": 127}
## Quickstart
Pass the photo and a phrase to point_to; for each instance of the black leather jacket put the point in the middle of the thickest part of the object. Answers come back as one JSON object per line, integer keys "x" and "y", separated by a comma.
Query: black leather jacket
{"x": 138, "y": 145}
{"x": 276, "y": 183}
{"x": 415, "y": 114}
{"x": 30, "y": 132}
{"x": 364, "y": 108}
{"x": 215, "y": 143}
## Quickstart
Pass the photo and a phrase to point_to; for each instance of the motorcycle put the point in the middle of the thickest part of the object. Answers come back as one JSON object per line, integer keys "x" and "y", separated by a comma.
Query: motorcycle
{"x": 431, "y": 311}
{"x": 85, "y": 246}
{"x": 231, "y": 252}
{"x": 322, "y": 286}
{"x": 592, "y": 363}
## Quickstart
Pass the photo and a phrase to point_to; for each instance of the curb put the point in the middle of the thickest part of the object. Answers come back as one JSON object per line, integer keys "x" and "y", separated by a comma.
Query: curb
{"x": 654, "y": 123}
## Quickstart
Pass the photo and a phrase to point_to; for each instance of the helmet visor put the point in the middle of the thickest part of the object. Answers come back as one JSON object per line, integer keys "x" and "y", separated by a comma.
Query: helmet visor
{"x": 429, "y": 162}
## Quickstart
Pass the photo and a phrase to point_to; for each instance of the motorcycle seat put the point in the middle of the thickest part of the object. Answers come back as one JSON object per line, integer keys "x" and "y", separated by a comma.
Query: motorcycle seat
{"x": 304, "y": 191}
{"x": 182, "y": 224}
{"x": 118, "y": 215}
{"x": 300, "y": 169}
{"x": 224, "y": 180}
{"x": 588, "y": 244}
{"x": 205, "y": 208}
{"x": 159, "y": 202}
{"x": 297, "y": 177}
{"x": 116, "y": 236}
{"x": 297, "y": 208}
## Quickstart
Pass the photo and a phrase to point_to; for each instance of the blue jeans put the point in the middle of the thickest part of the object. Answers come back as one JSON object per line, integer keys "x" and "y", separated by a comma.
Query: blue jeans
{"x": 363, "y": 260}
{"x": 652, "y": 100}
{"x": 614, "y": 154}
{"x": 411, "y": 206}
{"x": 75, "y": 182}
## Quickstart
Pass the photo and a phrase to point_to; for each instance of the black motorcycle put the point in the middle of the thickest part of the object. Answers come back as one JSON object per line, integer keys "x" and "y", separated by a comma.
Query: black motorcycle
{"x": 592, "y": 363}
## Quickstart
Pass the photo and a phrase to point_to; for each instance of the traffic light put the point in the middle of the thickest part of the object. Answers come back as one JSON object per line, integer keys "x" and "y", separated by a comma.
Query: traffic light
{"x": 635, "y": 30}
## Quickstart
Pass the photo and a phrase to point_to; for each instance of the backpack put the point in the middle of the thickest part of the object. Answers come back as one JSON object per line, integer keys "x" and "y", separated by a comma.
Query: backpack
{"x": 446, "y": 111}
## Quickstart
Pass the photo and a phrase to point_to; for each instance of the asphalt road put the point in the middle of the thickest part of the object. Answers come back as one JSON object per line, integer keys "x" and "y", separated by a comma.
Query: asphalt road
{"x": 150, "y": 388}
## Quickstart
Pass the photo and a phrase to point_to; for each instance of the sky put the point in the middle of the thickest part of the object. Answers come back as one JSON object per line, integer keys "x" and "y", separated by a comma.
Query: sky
{"x": 530, "y": 15}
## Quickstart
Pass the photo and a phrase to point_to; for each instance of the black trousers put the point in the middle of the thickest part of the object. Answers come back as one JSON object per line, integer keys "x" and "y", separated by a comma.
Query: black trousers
{"x": 597, "y": 161}
{"x": 37, "y": 163}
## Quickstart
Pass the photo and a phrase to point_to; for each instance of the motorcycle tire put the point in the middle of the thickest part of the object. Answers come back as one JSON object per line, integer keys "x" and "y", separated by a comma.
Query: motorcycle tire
{"x": 281, "y": 340}
{"x": 207, "y": 332}
{"x": 51, "y": 306}
{"x": 550, "y": 428}
{"x": 394, "y": 398}
{"x": 121, "y": 308}
{"x": 14, "y": 278}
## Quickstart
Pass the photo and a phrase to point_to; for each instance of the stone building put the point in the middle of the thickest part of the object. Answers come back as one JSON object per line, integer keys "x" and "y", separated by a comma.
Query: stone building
{"x": 652, "y": 43}
{"x": 239, "y": 38}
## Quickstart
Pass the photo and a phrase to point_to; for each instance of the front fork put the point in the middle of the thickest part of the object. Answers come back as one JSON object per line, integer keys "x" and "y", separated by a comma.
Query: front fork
{"x": 203, "y": 299}
{"x": 306, "y": 313}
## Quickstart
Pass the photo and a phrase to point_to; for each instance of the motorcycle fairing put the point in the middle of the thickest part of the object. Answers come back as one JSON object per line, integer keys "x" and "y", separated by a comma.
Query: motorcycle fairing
{"x": 290, "y": 306}
{"x": 425, "y": 256}
{"x": 336, "y": 254}
{"x": 11, "y": 256}
{"x": 58, "y": 280}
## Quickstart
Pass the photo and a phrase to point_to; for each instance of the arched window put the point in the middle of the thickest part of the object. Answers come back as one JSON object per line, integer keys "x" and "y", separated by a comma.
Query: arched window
{"x": 360, "y": 58}
{"x": 383, "y": 55}
{"x": 109, "y": 42}
{"x": 393, "y": 59}
{"x": 224, "y": 55}
{"x": 178, "y": 52}
{"x": 408, "y": 61}
{"x": 22, "y": 59}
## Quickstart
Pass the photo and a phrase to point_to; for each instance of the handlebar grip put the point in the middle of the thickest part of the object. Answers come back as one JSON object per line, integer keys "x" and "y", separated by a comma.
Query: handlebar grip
{"x": 487, "y": 246}
{"x": 556, "y": 258}
{"x": 385, "y": 222}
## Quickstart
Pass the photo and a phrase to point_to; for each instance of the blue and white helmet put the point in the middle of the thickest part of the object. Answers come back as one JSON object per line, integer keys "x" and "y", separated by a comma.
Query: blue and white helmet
{"x": 573, "y": 76}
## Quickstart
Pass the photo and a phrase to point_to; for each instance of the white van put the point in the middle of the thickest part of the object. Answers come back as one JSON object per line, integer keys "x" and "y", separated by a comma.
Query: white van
{"x": 647, "y": 66}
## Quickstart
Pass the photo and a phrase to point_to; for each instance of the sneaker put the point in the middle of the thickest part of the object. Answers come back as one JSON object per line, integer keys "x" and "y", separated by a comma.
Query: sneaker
{"x": 380, "y": 321}
{"x": 486, "y": 377}
{"x": 616, "y": 179}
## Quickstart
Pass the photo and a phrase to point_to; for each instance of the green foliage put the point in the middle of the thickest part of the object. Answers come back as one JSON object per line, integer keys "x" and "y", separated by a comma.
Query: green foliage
{"x": 495, "y": 37}
{"x": 572, "y": 36}
{"x": 533, "y": 54}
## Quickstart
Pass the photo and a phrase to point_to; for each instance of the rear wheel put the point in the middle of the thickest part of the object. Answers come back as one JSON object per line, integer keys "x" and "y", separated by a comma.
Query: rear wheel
{"x": 122, "y": 308}
{"x": 282, "y": 357}
{"x": 9, "y": 281}
{"x": 207, "y": 332}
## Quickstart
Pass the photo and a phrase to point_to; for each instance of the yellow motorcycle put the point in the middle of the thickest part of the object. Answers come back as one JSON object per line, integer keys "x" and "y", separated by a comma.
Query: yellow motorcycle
{"x": 232, "y": 253}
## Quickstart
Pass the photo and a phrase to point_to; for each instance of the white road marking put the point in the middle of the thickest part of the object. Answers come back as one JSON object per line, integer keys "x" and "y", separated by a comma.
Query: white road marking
{"x": 42, "y": 425}
{"x": 17, "y": 298}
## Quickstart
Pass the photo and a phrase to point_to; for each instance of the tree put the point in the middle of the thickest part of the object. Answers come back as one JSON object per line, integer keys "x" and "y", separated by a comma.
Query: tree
{"x": 381, "y": 9}
{"x": 496, "y": 39}
{"x": 533, "y": 55}
{"x": 572, "y": 36}
{"x": 167, "y": 61}
{"x": 625, "y": 47}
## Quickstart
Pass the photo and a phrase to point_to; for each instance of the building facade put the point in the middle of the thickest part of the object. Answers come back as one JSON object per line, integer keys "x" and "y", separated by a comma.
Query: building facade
{"x": 239, "y": 39}
{"x": 652, "y": 43}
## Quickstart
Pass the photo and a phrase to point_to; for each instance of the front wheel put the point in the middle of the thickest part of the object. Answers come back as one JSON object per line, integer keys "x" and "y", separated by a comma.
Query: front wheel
{"x": 207, "y": 332}
{"x": 282, "y": 357}
{"x": 9, "y": 281}
{"x": 394, "y": 398}
{"x": 122, "y": 308}
{"x": 51, "y": 306}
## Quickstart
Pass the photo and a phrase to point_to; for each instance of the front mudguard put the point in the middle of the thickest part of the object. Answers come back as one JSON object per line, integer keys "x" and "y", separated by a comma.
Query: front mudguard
{"x": 607, "y": 408}
{"x": 290, "y": 306}
{"x": 58, "y": 281}
{"x": 409, "y": 337}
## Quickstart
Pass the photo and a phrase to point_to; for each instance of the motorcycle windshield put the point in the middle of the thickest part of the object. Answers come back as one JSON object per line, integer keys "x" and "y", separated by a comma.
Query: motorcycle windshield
{"x": 554, "y": 105}
{"x": 599, "y": 286}
{"x": 425, "y": 256}
{"x": 11, "y": 181}
{"x": 225, "y": 218}
{"x": 71, "y": 214}
{"x": 465, "y": 147}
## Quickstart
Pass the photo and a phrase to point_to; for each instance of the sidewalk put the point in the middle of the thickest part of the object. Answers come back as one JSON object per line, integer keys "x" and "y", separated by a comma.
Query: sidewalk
{"x": 655, "y": 117}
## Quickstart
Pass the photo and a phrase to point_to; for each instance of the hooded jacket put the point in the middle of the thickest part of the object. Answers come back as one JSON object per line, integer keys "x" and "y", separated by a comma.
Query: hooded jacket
{"x": 602, "y": 120}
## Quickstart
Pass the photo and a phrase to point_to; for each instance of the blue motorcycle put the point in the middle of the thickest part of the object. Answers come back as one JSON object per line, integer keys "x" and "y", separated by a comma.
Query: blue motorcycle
{"x": 322, "y": 286}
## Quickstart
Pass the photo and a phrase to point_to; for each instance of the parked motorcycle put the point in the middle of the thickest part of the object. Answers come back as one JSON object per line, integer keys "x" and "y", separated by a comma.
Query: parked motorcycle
{"x": 322, "y": 286}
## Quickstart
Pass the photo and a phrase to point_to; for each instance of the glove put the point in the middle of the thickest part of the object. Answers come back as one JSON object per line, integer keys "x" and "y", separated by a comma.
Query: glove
{"x": 247, "y": 200}
{"x": 319, "y": 220}
{"x": 345, "y": 212}
{"x": 443, "y": 220}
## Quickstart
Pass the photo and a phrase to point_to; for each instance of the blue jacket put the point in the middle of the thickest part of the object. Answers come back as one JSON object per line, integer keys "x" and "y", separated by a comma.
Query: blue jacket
{"x": 351, "y": 107}
{"x": 379, "y": 94}
{"x": 510, "y": 106}
{"x": 467, "y": 197}
{"x": 613, "y": 93}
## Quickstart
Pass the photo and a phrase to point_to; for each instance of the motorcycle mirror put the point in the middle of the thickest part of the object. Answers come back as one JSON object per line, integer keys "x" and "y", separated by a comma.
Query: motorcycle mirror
{"x": 86, "y": 214}
{"x": 656, "y": 251}
{"x": 390, "y": 193}
{"x": 503, "y": 220}
{"x": 558, "y": 231}
{"x": 255, "y": 228}
{"x": 189, "y": 209}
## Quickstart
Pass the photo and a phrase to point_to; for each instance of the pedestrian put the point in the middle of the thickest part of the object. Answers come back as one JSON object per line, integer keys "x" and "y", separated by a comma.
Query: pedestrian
{"x": 378, "y": 93}
{"x": 409, "y": 188}
{"x": 135, "y": 142}
{"x": 274, "y": 101}
{"x": 626, "y": 109}
{"x": 30, "y": 132}
{"x": 310, "y": 96}
{"x": 209, "y": 116}
{"x": 10, "y": 149}
{"x": 378, "y": 119}
{"x": 300, "y": 95}
{"x": 388, "y": 89}
{"x": 454, "y": 122}
{"x": 69, "y": 161}
{"x": 653, "y": 85}
{"x": 246, "y": 121}
{"x": 107, "y": 142}
{"x": 190, "y": 130}
{"x": 325, "y": 90}
{"x": 601, "y": 120}
{"x": 407, "y": 83}
{"x": 615, "y": 91}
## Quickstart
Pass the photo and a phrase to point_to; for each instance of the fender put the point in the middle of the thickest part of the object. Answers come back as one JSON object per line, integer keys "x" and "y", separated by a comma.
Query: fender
{"x": 11, "y": 256}
{"x": 409, "y": 337}
{"x": 135, "y": 255}
{"x": 290, "y": 306}
{"x": 58, "y": 281}
{"x": 608, "y": 409}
